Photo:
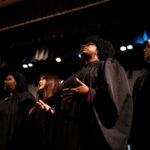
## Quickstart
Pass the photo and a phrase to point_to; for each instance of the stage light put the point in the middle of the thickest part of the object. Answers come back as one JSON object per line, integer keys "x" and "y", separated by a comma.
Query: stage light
{"x": 140, "y": 39}
{"x": 30, "y": 64}
{"x": 58, "y": 59}
{"x": 25, "y": 66}
{"x": 129, "y": 47}
{"x": 123, "y": 48}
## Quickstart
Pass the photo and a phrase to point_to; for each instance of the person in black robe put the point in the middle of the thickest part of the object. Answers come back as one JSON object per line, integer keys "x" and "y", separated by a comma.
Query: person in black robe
{"x": 14, "y": 111}
{"x": 95, "y": 106}
{"x": 141, "y": 94}
{"x": 42, "y": 114}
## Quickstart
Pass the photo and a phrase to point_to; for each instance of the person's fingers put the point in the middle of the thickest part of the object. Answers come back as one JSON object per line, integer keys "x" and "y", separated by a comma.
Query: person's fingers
{"x": 38, "y": 103}
{"x": 66, "y": 89}
{"x": 47, "y": 108}
{"x": 78, "y": 81}
{"x": 52, "y": 111}
{"x": 73, "y": 89}
{"x": 65, "y": 95}
{"x": 67, "y": 98}
{"x": 42, "y": 106}
{"x": 41, "y": 102}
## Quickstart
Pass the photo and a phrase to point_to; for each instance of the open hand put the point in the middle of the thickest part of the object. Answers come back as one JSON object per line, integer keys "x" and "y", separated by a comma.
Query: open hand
{"x": 45, "y": 106}
{"x": 68, "y": 92}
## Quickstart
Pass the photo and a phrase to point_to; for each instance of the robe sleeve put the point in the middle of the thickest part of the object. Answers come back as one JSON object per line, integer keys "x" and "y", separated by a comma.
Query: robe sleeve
{"x": 88, "y": 97}
{"x": 115, "y": 108}
{"x": 117, "y": 84}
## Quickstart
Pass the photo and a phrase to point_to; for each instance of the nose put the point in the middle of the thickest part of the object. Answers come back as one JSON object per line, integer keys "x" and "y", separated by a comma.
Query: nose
{"x": 5, "y": 81}
{"x": 40, "y": 82}
{"x": 82, "y": 47}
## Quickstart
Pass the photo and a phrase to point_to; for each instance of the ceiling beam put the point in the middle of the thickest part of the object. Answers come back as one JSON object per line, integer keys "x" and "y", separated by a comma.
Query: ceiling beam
{"x": 4, "y": 3}
{"x": 53, "y": 15}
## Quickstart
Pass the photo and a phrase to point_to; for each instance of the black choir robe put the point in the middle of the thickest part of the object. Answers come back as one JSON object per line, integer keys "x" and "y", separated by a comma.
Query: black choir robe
{"x": 104, "y": 121}
{"x": 13, "y": 119}
{"x": 41, "y": 128}
{"x": 140, "y": 127}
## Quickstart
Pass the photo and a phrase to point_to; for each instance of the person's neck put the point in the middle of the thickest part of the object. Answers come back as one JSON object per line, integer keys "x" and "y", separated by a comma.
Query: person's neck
{"x": 11, "y": 94}
{"x": 91, "y": 60}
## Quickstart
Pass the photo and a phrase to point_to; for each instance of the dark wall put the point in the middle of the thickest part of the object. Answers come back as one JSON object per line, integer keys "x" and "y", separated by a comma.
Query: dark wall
{"x": 118, "y": 21}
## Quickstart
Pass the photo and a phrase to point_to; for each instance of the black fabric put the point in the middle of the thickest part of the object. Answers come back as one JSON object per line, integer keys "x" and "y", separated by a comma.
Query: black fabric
{"x": 104, "y": 122}
{"x": 41, "y": 128}
{"x": 13, "y": 118}
{"x": 140, "y": 127}
{"x": 4, "y": 122}
{"x": 20, "y": 80}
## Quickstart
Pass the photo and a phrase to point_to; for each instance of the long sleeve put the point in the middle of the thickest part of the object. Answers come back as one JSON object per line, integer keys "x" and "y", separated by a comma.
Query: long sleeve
{"x": 120, "y": 96}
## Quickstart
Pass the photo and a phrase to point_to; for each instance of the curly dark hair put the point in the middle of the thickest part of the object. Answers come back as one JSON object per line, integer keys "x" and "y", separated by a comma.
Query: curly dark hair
{"x": 105, "y": 47}
{"x": 21, "y": 84}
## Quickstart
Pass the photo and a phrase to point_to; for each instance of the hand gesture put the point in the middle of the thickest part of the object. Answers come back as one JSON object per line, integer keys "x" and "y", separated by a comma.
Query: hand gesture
{"x": 45, "y": 106}
{"x": 68, "y": 92}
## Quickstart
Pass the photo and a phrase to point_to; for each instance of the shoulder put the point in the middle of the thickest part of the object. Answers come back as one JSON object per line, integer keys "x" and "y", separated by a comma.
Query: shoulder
{"x": 115, "y": 73}
{"x": 112, "y": 62}
{"x": 97, "y": 64}
{"x": 141, "y": 80}
{"x": 26, "y": 95}
{"x": 112, "y": 65}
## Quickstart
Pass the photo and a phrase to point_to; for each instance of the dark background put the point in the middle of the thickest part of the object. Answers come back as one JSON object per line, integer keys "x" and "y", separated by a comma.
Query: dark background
{"x": 59, "y": 26}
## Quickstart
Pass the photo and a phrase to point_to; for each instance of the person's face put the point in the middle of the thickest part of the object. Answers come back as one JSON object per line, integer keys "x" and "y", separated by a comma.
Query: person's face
{"x": 10, "y": 83}
{"x": 89, "y": 49}
{"x": 42, "y": 83}
{"x": 147, "y": 52}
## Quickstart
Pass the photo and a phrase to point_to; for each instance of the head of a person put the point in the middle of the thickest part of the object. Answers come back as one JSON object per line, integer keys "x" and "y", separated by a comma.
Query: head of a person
{"x": 94, "y": 45}
{"x": 48, "y": 85}
{"x": 15, "y": 82}
{"x": 147, "y": 52}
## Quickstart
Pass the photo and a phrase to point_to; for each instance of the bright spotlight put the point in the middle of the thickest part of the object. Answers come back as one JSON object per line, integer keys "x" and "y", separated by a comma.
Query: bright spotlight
{"x": 25, "y": 66}
{"x": 130, "y": 47}
{"x": 58, "y": 59}
{"x": 123, "y": 48}
{"x": 30, "y": 64}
